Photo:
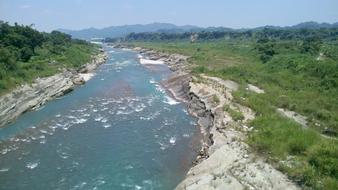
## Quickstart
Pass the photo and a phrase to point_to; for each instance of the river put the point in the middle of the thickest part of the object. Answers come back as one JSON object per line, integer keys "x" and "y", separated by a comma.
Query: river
{"x": 120, "y": 130}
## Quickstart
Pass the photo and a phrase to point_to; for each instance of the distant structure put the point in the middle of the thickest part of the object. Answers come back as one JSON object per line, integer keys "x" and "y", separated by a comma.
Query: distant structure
{"x": 193, "y": 38}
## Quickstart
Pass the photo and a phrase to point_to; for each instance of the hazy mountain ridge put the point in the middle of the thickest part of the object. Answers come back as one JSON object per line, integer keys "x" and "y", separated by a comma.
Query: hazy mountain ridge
{"x": 120, "y": 31}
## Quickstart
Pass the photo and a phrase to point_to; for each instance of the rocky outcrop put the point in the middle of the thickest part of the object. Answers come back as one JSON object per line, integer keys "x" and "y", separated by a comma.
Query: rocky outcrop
{"x": 225, "y": 160}
{"x": 229, "y": 163}
{"x": 176, "y": 62}
{"x": 31, "y": 96}
{"x": 178, "y": 85}
{"x": 300, "y": 119}
{"x": 91, "y": 66}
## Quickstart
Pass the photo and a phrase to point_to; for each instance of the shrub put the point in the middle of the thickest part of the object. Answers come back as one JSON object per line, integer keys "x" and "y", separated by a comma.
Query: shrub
{"x": 235, "y": 115}
{"x": 324, "y": 157}
{"x": 215, "y": 99}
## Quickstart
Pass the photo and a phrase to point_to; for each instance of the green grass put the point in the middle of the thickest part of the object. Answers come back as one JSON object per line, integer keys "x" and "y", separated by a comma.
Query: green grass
{"x": 215, "y": 55}
{"x": 235, "y": 115}
{"x": 46, "y": 64}
{"x": 215, "y": 99}
{"x": 315, "y": 159}
{"x": 291, "y": 80}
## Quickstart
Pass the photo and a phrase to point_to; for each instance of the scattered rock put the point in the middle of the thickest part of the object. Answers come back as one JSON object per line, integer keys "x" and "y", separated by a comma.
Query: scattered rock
{"x": 255, "y": 89}
{"x": 78, "y": 80}
{"x": 294, "y": 116}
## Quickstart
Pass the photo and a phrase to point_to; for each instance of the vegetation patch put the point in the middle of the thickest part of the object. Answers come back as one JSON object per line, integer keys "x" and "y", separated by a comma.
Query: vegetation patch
{"x": 215, "y": 99}
{"x": 235, "y": 115}
{"x": 26, "y": 54}
{"x": 298, "y": 69}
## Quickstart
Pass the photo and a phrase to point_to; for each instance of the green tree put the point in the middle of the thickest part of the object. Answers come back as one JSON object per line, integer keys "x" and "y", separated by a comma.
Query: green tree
{"x": 312, "y": 45}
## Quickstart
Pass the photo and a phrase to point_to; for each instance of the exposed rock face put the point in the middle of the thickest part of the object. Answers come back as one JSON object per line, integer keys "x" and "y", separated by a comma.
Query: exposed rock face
{"x": 229, "y": 164}
{"x": 31, "y": 96}
{"x": 178, "y": 84}
{"x": 294, "y": 116}
{"x": 90, "y": 67}
{"x": 176, "y": 62}
{"x": 224, "y": 161}
{"x": 255, "y": 89}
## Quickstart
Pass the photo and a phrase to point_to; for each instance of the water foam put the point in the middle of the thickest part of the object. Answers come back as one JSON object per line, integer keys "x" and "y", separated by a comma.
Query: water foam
{"x": 79, "y": 121}
{"x": 4, "y": 169}
{"x": 170, "y": 101}
{"x": 172, "y": 140}
{"x": 99, "y": 118}
{"x": 107, "y": 126}
{"x": 32, "y": 165}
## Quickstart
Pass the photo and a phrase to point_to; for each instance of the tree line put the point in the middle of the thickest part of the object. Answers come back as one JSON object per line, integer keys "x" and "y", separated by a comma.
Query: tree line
{"x": 25, "y": 53}
{"x": 270, "y": 33}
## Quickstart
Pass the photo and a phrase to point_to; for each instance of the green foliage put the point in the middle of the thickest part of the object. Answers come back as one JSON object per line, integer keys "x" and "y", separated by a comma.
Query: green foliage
{"x": 312, "y": 45}
{"x": 309, "y": 36}
{"x": 26, "y": 54}
{"x": 235, "y": 115}
{"x": 215, "y": 99}
{"x": 199, "y": 69}
{"x": 266, "y": 49}
{"x": 324, "y": 157}
{"x": 298, "y": 69}
{"x": 281, "y": 137}
{"x": 7, "y": 60}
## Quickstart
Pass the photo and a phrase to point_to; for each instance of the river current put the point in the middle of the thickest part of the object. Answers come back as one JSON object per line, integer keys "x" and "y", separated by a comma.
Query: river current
{"x": 120, "y": 130}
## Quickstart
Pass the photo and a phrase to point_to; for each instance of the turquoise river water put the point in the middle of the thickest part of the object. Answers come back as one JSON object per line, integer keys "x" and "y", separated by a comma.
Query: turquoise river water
{"x": 120, "y": 130}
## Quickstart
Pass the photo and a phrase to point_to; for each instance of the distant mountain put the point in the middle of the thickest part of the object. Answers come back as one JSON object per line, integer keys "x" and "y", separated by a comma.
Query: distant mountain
{"x": 303, "y": 25}
{"x": 315, "y": 25}
{"x": 121, "y": 31}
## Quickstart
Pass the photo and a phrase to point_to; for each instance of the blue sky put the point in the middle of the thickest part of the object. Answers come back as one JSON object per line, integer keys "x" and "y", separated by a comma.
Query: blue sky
{"x": 77, "y": 14}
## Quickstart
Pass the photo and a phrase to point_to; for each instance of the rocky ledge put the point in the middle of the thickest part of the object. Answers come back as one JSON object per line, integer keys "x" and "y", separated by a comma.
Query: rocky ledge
{"x": 31, "y": 96}
{"x": 225, "y": 161}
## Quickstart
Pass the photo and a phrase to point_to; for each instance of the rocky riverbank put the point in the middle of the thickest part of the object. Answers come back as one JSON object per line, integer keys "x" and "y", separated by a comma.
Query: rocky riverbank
{"x": 31, "y": 96}
{"x": 225, "y": 160}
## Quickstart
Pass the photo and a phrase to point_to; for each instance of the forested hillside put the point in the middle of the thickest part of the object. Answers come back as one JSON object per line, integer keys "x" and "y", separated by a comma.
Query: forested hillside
{"x": 26, "y": 54}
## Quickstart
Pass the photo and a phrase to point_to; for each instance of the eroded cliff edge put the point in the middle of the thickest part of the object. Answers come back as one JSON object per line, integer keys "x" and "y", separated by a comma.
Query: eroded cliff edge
{"x": 225, "y": 161}
{"x": 31, "y": 96}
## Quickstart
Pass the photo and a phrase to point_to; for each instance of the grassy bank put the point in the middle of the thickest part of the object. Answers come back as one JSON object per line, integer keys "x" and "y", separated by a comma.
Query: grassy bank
{"x": 26, "y": 54}
{"x": 293, "y": 79}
